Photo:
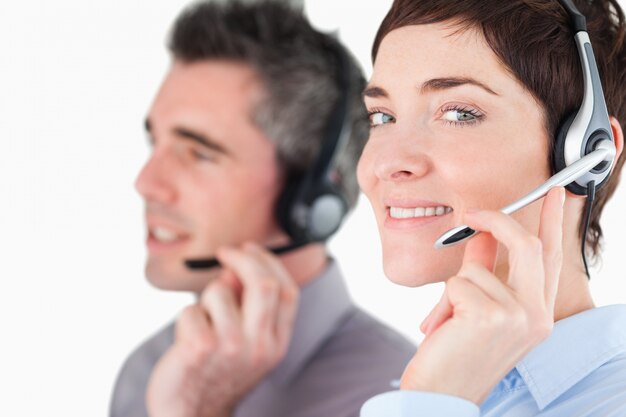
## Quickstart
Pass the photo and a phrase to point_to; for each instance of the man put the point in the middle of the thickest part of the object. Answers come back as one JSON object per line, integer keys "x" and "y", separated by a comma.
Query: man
{"x": 244, "y": 111}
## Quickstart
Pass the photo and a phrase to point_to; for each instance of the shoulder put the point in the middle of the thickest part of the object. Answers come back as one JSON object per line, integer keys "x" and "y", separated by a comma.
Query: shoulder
{"x": 604, "y": 390}
{"x": 363, "y": 358}
{"x": 130, "y": 386}
{"x": 601, "y": 393}
{"x": 365, "y": 336}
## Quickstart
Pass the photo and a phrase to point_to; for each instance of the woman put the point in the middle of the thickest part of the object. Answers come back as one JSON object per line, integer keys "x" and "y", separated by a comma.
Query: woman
{"x": 465, "y": 101}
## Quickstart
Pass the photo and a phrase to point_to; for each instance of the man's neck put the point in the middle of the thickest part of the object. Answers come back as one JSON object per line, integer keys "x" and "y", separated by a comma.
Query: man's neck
{"x": 306, "y": 263}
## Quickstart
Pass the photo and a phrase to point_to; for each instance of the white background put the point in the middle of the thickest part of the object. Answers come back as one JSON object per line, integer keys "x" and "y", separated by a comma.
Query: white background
{"x": 76, "y": 80}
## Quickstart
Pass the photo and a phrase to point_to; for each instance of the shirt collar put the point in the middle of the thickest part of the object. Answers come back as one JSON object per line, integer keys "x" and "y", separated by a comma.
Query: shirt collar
{"x": 576, "y": 347}
{"x": 323, "y": 306}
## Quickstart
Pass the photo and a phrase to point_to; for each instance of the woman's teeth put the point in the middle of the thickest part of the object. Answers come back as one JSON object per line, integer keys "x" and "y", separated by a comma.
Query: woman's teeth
{"x": 407, "y": 213}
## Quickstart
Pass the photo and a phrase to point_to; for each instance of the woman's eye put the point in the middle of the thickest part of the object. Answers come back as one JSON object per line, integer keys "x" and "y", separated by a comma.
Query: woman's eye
{"x": 460, "y": 116}
{"x": 378, "y": 118}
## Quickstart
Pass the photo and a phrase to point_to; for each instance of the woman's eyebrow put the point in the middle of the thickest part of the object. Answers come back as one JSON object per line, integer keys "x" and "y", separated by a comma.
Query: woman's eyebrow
{"x": 436, "y": 84}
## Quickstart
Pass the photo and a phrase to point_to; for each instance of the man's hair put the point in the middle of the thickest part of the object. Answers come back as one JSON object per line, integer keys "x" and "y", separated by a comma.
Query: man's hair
{"x": 533, "y": 40}
{"x": 299, "y": 68}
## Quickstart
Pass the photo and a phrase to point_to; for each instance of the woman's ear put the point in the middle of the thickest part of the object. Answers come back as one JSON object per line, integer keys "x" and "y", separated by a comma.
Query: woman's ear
{"x": 618, "y": 135}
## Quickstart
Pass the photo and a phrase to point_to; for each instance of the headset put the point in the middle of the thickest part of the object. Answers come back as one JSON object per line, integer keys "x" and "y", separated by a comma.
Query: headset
{"x": 312, "y": 206}
{"x": 584, "y": 151}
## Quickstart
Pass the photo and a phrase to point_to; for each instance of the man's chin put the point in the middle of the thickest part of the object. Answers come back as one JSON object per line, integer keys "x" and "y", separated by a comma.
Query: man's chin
{"x": 177, "y": 278}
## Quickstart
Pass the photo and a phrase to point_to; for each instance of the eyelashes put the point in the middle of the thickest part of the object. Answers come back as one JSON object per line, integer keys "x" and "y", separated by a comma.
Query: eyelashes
{"x": 378, "y": 117}
{"x": 451, "y": 115}
{"x": 461, "y": 115}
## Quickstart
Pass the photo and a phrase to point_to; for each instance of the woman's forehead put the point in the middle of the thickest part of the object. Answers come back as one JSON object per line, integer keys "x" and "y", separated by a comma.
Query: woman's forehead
{"x": 418, "y": 53}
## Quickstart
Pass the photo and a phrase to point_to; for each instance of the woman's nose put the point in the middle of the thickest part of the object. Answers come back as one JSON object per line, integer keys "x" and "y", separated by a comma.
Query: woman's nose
{"x": 402, "y": 161}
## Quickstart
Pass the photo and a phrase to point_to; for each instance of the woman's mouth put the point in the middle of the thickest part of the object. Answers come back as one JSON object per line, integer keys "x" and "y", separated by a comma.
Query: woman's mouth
{"x": 407, "y": 213}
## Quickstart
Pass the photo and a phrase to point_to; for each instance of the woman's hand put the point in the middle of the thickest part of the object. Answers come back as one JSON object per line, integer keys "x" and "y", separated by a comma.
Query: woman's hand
{"x": 483, "y": 326}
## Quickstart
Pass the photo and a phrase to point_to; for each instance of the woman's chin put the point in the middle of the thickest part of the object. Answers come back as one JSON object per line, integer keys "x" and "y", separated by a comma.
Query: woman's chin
{"x": 414, "y": 272}
{"x": 408, "y": 276}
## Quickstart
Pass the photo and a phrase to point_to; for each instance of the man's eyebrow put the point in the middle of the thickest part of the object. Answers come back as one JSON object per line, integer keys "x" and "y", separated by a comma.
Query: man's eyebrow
{"x": 199, "y": 138}
{"x": 436, "y": 84}
{"x": 374, "y": 92}
{"x": 189, "y": 134}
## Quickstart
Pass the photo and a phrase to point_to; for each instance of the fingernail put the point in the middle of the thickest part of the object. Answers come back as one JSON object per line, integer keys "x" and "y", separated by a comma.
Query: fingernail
{"x": 562, "y": 196}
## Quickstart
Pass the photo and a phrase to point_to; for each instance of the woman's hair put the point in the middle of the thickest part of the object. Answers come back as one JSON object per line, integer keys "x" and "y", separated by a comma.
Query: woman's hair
{"x": 533, "y": 40}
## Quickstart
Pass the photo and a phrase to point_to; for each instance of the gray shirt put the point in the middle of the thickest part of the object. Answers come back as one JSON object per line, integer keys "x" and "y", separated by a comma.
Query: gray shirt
{"x": 338, "y": 358}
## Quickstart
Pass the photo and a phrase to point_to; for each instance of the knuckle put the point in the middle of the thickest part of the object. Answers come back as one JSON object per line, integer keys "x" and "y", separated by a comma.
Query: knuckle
{"x": 289, "y": 295}
{"x": 268, "y": 287}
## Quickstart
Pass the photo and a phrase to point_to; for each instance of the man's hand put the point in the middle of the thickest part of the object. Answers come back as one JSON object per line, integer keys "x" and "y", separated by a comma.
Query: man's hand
{"x": 482, "y": 326}
{"x": 225, "y": 344}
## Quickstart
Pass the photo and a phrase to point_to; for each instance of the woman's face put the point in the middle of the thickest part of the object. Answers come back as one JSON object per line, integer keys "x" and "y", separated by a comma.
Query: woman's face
{"x": 452, "y": 130}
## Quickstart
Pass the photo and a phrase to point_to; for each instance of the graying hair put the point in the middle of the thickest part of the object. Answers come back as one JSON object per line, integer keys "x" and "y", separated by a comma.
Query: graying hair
{"x": 299, "y": 69}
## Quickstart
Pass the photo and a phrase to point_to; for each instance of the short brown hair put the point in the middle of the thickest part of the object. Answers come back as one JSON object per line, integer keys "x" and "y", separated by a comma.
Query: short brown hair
{"x": 533, "y": 39}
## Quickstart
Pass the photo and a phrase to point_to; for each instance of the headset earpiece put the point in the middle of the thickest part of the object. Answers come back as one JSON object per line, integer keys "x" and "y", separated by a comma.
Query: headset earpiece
{"x": 313, "y": 217}
{"x": 311, "y": 207}
{"x": 583, "y": 130}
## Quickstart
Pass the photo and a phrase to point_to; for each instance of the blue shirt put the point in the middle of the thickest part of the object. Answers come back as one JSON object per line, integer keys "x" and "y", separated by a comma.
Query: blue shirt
{"x": 578, "y": 371}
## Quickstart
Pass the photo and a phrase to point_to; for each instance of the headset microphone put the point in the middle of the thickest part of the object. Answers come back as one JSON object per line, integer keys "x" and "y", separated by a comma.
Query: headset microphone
{"x": 604, "y": 152}
{"x": 200, "y": 264}
{"x": 584, "y": 152}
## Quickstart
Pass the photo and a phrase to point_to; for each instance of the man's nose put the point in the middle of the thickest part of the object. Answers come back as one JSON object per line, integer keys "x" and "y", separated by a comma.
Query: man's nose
{"x": 154, "y": 182}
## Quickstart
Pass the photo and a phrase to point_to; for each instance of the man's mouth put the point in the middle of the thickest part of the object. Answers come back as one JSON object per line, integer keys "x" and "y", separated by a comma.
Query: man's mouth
{"x": 165, "y": 235}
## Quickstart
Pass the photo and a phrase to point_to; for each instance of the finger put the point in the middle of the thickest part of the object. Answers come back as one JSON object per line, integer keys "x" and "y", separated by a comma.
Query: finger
{"x": 229, "y": 278}
{"x": 219, "y": 301}
{"x": 487, "y": 282}
{"x": 439, "y": 314}
{"x": 259, "y": 303}
{"x": 483, "y": 250}
{"x": 551, "y": 235}
{"x": 526, "y": 273}
{"x": 193, "y": 327}
{"x": 288, "y": 296}
{"x": 467, "y": 298}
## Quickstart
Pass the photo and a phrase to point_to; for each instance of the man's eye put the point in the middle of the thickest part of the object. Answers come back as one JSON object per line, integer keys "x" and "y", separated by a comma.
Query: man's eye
{"x": 201, "y": 156}
{"x": 378, "y": 118}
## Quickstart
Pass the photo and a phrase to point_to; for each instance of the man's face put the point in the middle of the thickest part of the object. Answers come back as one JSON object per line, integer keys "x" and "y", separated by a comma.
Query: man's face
{"x": 212, "y": 178}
